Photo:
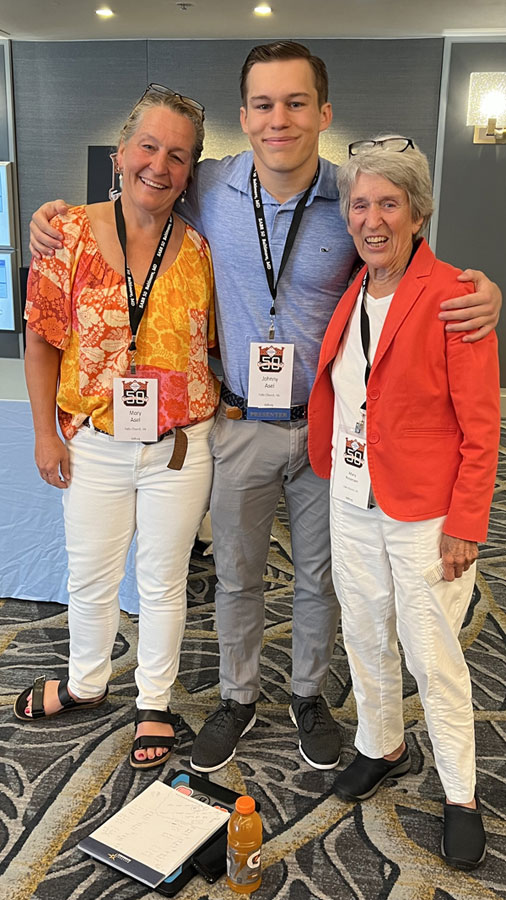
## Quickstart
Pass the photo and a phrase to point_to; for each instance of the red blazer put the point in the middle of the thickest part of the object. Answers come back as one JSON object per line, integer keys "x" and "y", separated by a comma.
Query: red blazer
{"x": 433, "y": 413}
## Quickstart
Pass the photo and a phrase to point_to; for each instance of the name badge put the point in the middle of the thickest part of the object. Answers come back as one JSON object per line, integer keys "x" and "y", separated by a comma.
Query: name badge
{"x": 135, "y": 405}
{"x": 270, "y": 380}
{"x": 350, "y": 476}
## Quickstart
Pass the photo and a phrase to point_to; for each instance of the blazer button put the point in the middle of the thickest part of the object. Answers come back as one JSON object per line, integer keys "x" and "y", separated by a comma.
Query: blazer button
{"x": 373, "y": 437}
{"x": 374, "y": 394}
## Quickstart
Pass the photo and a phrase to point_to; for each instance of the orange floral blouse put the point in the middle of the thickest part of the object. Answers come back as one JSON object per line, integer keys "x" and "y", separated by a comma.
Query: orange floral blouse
{"x": 78, "y": 303}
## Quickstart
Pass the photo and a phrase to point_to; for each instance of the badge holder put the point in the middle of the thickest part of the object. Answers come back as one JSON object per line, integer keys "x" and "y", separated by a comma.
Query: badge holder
{"x": 210, "y": 860}
{"x": 350, "y": 475}
{"x": 135, "y": 409}
{"x": 270, "y": 380}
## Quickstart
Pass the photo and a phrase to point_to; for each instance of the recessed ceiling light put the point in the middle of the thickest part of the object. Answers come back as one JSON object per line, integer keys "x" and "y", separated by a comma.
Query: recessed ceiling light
{"x": 105, "y": 12}
{"x": 262, "y": 10}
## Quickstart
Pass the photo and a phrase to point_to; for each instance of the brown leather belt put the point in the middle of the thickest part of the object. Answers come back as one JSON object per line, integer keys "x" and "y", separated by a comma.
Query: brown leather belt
{"x": 180, "y": 443}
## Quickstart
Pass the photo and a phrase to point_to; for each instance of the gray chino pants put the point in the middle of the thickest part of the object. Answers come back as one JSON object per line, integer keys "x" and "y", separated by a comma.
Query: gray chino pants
{"x": 254, "y": 461}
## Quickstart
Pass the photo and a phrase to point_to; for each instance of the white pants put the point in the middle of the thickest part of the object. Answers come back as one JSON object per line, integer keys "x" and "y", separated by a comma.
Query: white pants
{"x": 377, "y": 568}
{"x": 116, "y": 488}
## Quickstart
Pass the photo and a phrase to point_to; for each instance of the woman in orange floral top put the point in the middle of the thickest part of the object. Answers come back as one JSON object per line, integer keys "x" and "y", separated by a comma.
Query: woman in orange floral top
{"x": 119, "y": 324}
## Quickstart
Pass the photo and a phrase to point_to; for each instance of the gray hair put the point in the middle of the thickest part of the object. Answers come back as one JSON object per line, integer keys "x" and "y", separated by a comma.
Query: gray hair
{"x": 177, "y": 105}
{"x": 408, "y": 170}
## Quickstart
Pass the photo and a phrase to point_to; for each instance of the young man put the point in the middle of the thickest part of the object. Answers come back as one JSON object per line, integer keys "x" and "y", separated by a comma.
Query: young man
{"x": 281, "y": 260}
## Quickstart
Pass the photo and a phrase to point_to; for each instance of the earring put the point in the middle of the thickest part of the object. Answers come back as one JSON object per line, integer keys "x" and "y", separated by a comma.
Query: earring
{"x": 114, "y": 158}
{"x": 182, "y": 196}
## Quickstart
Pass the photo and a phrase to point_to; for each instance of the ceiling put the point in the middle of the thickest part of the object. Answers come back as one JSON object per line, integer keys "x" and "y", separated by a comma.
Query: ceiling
{"x": 63, "y": 20}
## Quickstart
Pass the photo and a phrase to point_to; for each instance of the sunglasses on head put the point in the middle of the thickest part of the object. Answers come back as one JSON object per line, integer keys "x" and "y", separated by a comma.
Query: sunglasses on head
{"x": 168, "y": 92}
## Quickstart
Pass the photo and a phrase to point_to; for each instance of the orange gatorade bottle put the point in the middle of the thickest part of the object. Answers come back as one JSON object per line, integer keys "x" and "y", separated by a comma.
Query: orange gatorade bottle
{"x": 244, "y": 873}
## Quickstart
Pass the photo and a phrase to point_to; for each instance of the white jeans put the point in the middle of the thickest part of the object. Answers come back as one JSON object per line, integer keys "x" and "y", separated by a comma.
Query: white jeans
{"x": 377, "y": 568}
{"x": 116, "y": 488}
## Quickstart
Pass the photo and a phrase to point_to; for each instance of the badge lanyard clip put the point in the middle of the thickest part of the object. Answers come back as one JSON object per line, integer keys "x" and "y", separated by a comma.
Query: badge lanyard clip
{"x": 133, "y": 349}
{"x": 272, "y": 327}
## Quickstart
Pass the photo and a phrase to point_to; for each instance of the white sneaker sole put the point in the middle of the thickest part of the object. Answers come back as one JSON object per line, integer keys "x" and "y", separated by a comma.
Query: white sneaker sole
{"x": 220, "y": 765}
{"x": 311, "y": 762}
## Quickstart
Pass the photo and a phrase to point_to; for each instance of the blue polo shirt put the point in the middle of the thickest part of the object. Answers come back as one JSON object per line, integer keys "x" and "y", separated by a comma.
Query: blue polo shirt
{"x": 219, "y": 204}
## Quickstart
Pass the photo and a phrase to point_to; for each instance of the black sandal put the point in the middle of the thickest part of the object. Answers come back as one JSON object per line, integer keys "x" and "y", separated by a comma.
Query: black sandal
{"x": 147, "y": 740}
{"x": 37, "y": 691}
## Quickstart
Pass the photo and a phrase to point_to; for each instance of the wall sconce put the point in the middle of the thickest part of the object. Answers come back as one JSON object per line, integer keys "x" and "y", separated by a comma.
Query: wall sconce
{"x": 486, "y": 109}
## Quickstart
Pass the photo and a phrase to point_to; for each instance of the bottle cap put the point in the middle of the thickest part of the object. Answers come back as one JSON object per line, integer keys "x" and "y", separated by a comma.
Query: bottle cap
{"x": 245, "y": 805}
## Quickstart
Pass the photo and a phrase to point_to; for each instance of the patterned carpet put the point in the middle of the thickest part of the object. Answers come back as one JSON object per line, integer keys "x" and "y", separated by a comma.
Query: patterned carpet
{"x": 60, "y": 779}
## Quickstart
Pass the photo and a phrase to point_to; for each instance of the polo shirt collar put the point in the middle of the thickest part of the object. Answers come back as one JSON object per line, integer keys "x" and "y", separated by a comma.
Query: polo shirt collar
{"x": 239, "y": 176}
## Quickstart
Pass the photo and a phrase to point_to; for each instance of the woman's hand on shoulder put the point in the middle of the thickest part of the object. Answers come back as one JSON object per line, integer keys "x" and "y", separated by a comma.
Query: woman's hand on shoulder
{"x": 457, "y": 556}
{"x": 44, "y": 239}
{"x": 52, "y": 460}
{"x": 477, "y": 312}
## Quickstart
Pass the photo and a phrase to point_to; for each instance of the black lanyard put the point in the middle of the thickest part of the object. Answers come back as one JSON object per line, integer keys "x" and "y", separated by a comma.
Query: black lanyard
{"x": 365, "y": 334}
{"x": 365, "y": 331}
{"x": 264, "y": 239}
{"x": 136, "y": 309}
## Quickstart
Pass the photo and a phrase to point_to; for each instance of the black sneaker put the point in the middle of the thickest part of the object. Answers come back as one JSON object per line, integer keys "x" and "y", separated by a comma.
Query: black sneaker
{"x": 464, "y": 844}
{"x": 216, "y": 741}
{"x": 362, "y": 778}
{"x": 319, "y": 736}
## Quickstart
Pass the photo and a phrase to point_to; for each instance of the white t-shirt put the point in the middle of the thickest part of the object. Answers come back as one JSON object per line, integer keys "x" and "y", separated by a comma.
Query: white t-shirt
{"x": 348, "y": 369}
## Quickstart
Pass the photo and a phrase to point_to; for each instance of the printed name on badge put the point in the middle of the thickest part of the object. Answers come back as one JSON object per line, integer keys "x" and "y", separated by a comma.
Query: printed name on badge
{"x": 350, "y": 476}
{"x": 270, "y": 380}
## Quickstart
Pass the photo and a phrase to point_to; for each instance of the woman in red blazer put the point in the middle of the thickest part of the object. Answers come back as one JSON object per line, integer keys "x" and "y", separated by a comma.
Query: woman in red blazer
{"x": 404, "y": 420}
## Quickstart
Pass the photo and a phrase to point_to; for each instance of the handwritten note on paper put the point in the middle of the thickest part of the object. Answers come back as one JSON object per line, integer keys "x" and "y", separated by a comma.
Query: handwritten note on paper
{"x": 160, "y": 828}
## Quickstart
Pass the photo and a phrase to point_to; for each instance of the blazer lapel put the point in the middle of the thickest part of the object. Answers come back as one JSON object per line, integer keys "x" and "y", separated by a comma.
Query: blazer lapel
{"x": 409, "y": 291}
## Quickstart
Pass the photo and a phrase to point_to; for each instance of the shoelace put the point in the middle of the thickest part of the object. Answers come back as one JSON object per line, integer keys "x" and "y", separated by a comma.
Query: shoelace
{"x": 311, "y": 713}
{"x": 219, "y": 716}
